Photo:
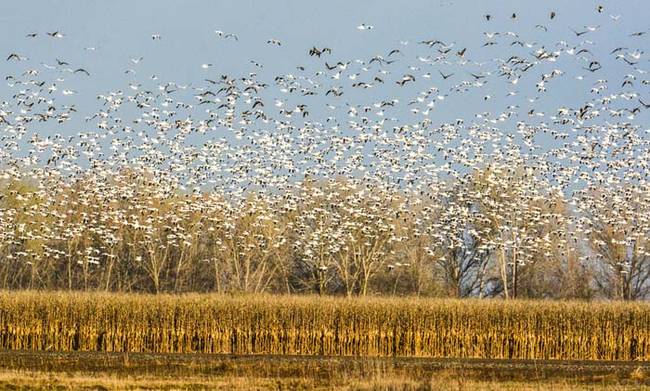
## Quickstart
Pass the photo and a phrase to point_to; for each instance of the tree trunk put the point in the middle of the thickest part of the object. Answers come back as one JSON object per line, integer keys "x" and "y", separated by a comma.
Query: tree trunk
{"x": 504, "y": 272}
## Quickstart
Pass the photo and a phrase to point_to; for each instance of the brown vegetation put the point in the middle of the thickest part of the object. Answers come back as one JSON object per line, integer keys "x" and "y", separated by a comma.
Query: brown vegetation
{"x": 298, "y": 325}
{"x": 92, "y": 370}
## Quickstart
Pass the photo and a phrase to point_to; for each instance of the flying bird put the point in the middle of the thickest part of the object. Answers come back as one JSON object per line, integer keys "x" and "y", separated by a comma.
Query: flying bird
{"x": 406, "y": 78}
{"x": 14, "y": 56}
{"x": 445, "y": 77}
{"x": 314, "y": 51}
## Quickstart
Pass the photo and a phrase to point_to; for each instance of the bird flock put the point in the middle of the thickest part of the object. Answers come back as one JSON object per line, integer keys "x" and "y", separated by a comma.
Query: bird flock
{"x": 340, "y": 172}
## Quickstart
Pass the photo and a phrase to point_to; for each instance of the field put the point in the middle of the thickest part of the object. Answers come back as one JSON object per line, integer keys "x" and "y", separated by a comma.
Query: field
{"x": 107, "y": 341}
{"x": 308, "y": 325}
{"x": 94, "y": 370}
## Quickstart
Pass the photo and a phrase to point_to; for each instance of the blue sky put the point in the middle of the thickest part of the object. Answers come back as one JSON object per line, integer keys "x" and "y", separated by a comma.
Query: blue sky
{"x": 122, "y": 30}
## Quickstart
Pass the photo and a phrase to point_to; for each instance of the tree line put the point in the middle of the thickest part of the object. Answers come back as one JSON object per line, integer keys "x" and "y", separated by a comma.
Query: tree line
{"x": 495, "y": 232}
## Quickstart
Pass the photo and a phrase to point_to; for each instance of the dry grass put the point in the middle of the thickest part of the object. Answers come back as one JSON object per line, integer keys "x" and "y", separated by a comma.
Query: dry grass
{"x": 31, "y": 370}
{"x": 324, "y": 326}
{"x": 34, "y": 380}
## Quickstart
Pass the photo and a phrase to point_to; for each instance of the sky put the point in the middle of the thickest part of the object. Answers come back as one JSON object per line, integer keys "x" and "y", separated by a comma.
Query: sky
{"x": 119, "y": 31}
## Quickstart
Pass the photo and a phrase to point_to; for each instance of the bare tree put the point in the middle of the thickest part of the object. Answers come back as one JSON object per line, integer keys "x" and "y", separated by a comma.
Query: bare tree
{"x": 617, "y": 226}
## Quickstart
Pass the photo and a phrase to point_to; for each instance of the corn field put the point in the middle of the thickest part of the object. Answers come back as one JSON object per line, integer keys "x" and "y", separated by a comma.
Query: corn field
{"x": 308, "y": 325}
